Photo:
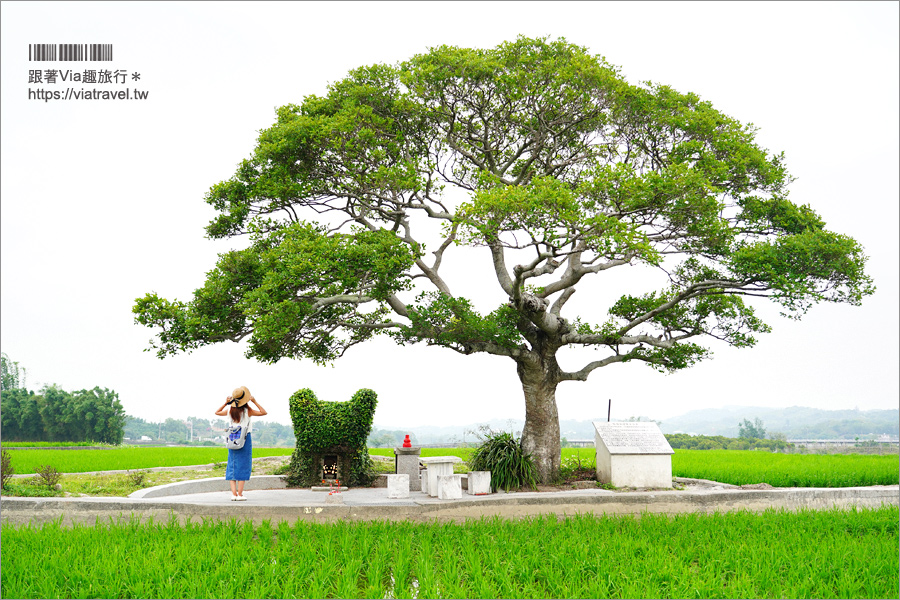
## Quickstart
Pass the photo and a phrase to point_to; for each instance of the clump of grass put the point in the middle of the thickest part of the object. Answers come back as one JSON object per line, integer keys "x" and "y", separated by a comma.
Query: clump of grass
{"x": 6, "y": 468}
{"x": 47, "y": 476}
{"x": 137, "y": 478}
{"x": 577, "y": 468}
{"x": 28, "y": 488}
{"x": 502, "y": 454}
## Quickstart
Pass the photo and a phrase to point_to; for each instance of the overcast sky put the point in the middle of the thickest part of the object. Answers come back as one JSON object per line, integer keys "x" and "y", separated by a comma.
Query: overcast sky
{"x": 102, "y": 201}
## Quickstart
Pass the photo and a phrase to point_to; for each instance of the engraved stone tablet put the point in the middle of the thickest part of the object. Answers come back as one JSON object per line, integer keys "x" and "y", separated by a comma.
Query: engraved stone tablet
{"x": 633, "y": 454}
{"x": 632, "y": 437}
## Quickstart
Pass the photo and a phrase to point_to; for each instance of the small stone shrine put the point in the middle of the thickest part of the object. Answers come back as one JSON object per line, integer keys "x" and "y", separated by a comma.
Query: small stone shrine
{"x": 406, "y": 461}
{"x": 633, "y": 454}
{"x": 331, "y": 439}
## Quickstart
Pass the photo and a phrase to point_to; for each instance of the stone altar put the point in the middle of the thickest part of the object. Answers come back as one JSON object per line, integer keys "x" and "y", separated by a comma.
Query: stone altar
{"x": 406, "y": 461}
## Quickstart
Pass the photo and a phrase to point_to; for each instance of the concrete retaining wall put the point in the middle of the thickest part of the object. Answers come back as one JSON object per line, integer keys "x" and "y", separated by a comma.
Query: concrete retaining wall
{"x": 20, "y": 511}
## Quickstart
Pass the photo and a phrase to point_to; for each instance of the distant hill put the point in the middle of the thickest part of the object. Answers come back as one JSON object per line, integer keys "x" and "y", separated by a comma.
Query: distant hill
{"x": 794, "y": 422}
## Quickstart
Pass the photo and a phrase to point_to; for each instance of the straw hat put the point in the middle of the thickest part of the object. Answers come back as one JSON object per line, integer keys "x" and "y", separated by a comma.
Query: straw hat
{"x": 240, "y": 396}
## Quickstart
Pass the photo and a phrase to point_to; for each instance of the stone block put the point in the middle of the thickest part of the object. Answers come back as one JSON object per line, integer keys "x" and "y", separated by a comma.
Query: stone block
{"x": 479, "y": 483}
{"x": 398, "y": 485}
{"x": 449, "y": 487}
{"x": 423, "y": 477}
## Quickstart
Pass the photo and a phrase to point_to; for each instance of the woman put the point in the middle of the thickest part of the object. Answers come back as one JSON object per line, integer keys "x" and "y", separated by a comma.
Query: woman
{"x": 237, "y": 473}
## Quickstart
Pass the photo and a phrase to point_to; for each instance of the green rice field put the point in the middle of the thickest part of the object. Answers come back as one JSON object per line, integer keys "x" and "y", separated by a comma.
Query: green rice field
{"x": 776, "y": 554}
{"x": 129, "y": 457}
{"x": 740, "y": 467}
{"x": 737, "y": 467}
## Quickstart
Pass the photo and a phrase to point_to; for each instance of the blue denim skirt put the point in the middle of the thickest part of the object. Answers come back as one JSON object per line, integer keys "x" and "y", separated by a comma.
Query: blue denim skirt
{"x": 239, "y": 462}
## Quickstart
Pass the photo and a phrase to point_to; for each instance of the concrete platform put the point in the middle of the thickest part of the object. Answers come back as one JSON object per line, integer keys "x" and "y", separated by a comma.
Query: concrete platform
{"x": 361, "y": 504}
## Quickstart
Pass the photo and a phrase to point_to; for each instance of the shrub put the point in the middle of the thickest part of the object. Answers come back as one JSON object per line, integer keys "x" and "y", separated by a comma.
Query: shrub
{"x": 6, "y": 468}
{"x": 137, "y": 478}
{"x": 502, "y": 454}
{"x": 47, "y": 476}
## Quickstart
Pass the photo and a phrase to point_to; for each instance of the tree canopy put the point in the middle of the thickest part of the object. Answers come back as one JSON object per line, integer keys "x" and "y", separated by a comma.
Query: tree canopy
{"x": 547, "y": 157}
{"x": 55, "y": 415}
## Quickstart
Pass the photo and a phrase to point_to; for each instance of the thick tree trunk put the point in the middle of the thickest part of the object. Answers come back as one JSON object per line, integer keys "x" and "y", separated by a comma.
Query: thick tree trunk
{"x": 540, "y": 436}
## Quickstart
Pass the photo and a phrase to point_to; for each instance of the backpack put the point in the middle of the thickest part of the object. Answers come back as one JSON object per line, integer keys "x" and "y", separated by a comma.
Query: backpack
{"x": 236, "y": 434}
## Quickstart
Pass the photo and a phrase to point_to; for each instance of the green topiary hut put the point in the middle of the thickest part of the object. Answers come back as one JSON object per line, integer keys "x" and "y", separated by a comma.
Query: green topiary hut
{"x": 331, "y": 439}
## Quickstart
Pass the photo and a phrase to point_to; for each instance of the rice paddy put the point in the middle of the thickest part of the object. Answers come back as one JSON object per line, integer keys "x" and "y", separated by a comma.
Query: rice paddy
{"x": 776, "y": 554}
{"x": 126, "y": 458}
{"x": 737, "y": 467}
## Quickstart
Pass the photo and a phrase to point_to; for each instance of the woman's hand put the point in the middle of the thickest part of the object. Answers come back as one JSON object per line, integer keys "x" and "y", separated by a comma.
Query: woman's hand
{"x": 257, "y": 413}
{"x": 222, "y": 412}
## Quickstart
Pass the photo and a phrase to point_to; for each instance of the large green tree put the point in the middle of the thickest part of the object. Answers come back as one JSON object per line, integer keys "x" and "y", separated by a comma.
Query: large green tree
{"x": 544, "y": 155}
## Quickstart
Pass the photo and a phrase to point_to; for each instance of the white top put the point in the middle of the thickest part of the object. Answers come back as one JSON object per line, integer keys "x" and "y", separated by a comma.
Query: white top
{"x": 440, "y": 459}
{"x": 245, "y": 421}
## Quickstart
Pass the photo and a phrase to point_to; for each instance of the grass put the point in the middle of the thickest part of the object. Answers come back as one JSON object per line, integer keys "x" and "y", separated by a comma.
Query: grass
{"x": 736, "y": 467}
{"x": 123, "y": 484}
{"x": 807, "y": 554}
{"x": 126, "y": 458}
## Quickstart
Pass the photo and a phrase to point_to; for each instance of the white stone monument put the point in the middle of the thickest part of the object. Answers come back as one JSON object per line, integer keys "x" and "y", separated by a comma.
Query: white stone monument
{"x": 633, "y": 454}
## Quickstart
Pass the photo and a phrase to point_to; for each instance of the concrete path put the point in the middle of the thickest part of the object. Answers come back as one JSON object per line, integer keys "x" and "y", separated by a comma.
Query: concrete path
{"x": 373, "y": 504}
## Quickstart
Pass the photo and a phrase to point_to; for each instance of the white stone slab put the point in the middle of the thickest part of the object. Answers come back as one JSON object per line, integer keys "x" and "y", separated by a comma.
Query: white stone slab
{"x": 439, "y": 459}
{"x": 632, "y": 437}
{"x": 449, "y": 487}
{"x": 398, "y": 486}
{"x": 424, "y": 480}
{"x": 479, "y": 483}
